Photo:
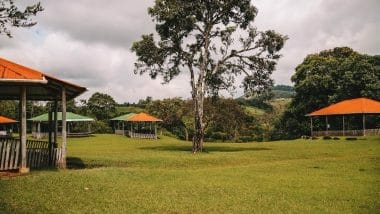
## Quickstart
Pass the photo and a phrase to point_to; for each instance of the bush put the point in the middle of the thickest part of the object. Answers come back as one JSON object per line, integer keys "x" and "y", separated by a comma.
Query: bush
{"x": 219, "y": 136}
{"x": 327, "y": 138}
{"x": 351, "y": 138}
{"x": 100, "y": 127}
{"x": 246, "y": 139}
{"x": 336, "y": 138}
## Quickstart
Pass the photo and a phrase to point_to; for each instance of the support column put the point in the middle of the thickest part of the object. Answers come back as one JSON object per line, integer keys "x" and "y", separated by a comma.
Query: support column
{"x": 56, "y": 122}
{"x": 363, "y": 124}
{"x": 62, "y": 163}
{"x": 50, "y": 127}
{"x": 89, "y": 128}
{"x": 23, "y": 169}
{"x": 38, "y": 135}
{"x": 327, "y": 127}
{"x": 155, "y": 131}
{"x": 343, "y": 127}
{"x": 311, "y": 126}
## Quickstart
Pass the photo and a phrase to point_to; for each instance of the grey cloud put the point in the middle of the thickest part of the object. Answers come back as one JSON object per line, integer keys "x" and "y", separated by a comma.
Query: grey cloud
{"x": 116, "y": 23}
{"x": 316, "y": 25}
{"x": 87, "y": 41}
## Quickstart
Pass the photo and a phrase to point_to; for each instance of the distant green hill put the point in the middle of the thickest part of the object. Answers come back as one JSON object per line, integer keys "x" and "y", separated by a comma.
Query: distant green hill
{"x": 283, "y": 91}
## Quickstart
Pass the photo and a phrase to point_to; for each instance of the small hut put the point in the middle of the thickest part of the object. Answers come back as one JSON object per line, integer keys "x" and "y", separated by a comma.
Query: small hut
{"x": 143, "y": 125}
{"x": 120, "y": 123}
{"x": 362, "y": 107}
{"x": 77, "y": 125}
{"x": 140, "y": 125}
{"x": 6, "y": 126}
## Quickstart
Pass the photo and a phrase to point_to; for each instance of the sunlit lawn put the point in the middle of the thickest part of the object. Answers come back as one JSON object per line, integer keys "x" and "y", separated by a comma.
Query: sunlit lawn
{"x": 115, "y": 174}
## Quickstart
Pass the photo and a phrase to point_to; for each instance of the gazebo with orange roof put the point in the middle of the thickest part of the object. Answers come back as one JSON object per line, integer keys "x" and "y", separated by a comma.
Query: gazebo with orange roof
{"x": 361, "y": 106}
{"x": 18, "y": 82}
{"x": 5, "y": 121}
{"x": 143, "y": 118}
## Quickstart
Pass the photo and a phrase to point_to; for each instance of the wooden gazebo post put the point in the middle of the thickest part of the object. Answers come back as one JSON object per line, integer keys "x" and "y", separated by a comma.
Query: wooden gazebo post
{"x": 311, "y": 126}
{"x": 343, "y": 127}
{"x": 23, "y": 169}
{"x": 363, "y": 124}
{"x": 62, "y": 163}
{"x": 55, "y": 122}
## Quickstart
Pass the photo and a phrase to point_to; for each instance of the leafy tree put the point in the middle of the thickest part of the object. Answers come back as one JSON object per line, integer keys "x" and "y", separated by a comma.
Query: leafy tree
{"x": 325, "y": 78}
{"x": 171, "y": 112}
{"x": 142, "y": 103}
{"x": 224, "y": 116}
{"x": 11, "y": 16}
{"x": 9, "y": 108}
{"x": 102, "y": 106}
{"x": 214, "y": 42}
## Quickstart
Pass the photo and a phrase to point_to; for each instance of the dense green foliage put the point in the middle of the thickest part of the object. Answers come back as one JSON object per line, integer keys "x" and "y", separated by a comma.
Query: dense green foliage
{"x": 115, "y": 174}
{"x": 12, "y": 16}
{"x": 224, "y": 119}
{"x": 102, "y": 106}
{"x": 325, "y": 78}
{"x": 283, "y": 91}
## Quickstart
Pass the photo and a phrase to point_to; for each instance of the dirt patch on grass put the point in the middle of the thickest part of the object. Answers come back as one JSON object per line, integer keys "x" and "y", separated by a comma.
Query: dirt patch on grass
{"x": 9, "y": 174}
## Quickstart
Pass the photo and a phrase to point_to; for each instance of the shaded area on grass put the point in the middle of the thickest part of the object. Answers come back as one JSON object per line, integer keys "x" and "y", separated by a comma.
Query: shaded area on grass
{"x": 206, "y": 148}
{"x": 75, "y": 163}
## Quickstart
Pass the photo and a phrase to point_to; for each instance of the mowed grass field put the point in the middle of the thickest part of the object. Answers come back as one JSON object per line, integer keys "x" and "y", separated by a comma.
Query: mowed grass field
{"x": 115, "y": 174}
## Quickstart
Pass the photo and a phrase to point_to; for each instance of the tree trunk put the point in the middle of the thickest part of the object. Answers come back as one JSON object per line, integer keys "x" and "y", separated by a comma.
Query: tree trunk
{"x": 199, "y": 133}
{"x": 186, "y": 134}
{"x": 198, "y": 95}
{"x": 198, "y": 116}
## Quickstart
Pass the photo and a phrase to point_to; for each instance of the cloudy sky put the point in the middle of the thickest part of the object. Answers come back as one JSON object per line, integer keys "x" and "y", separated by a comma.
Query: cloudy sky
{"x": 88, "y": 41}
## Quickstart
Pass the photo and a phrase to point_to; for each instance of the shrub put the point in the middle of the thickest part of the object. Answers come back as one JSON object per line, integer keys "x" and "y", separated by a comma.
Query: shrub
{"x": 100, "y": 127}
{"x": 327, "y": 138}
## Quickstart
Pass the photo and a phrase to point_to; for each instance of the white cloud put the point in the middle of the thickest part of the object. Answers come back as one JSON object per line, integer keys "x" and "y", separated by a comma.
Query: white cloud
{"x": 88, "y": 41}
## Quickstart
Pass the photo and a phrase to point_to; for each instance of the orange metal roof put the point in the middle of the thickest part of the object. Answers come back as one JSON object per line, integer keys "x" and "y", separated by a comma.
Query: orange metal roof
{"x": 45, "y": 87}
{"x": 7, "y": 120}
{"x": 11, "y": 70}
{"x": 353, "y": 106}
{"x": 143, "y": 117}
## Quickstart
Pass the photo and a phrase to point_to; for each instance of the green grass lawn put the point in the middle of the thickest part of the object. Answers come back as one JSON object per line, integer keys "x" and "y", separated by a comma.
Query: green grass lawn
{"x": 114, "y": 174}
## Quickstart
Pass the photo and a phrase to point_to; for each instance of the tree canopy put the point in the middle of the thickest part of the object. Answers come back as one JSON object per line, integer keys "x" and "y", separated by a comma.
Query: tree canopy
{"x": 329, "y": 77}
{"x": 102, "y": 106}
{"x": 12, "y": 16}
{"x": 214, "y": 42}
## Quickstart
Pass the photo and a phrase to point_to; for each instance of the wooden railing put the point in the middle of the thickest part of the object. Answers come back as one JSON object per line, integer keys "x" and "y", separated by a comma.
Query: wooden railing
{"x": 141, "y": 135}
{"x": 9, "y": 153}
{"x": 367, "y": 132}
{"x": 40, "y": 135}
{"x": 38, "y": 154}
{"x": 119, "y": 132}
